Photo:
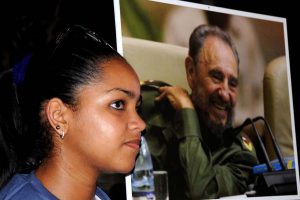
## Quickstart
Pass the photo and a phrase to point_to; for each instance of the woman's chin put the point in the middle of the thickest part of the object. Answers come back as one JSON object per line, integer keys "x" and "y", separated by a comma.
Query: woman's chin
{"x": 127, "y": 169}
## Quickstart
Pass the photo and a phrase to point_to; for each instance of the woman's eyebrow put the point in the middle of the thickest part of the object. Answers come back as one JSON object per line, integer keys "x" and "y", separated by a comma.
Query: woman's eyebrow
{"x": 127, "y": 92}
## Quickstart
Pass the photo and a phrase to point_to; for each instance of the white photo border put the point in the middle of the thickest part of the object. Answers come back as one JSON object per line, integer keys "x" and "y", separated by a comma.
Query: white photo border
{"x": 119, "y": 42}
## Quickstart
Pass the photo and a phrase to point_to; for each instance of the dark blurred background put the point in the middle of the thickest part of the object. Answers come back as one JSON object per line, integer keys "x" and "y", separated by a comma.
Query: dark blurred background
{"x": 26, "y": 25}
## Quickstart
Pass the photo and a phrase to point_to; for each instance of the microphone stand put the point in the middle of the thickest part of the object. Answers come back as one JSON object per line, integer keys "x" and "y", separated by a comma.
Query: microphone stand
{"x": 272, "y": 182}
{"x": 275, "y": 144}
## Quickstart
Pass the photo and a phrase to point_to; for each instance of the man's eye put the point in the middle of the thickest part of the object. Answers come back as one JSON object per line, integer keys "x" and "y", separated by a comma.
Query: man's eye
{"x": 233, "y": 82}
{"x": 118, "y": 105}
{"x": 218, "y": 77}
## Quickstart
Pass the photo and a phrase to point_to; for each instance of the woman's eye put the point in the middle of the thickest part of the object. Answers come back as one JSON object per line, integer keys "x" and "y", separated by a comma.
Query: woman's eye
{"x": 118, "y": 105}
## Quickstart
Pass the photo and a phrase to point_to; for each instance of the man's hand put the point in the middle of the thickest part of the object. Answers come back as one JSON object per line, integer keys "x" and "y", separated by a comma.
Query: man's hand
{"x": 177, "y": 96}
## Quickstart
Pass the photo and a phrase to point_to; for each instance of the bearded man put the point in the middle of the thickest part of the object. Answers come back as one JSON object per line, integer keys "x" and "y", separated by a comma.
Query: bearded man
{"x": 197, "y": 148}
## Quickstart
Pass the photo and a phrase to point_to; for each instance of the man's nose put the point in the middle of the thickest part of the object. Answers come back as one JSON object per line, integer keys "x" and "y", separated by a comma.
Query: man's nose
{"x": 224, "y": 92}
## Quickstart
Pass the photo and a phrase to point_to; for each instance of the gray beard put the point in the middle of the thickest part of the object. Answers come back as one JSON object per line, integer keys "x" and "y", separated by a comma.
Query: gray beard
{"x": 212, "y": 133}
{"x": 214, "y": 130}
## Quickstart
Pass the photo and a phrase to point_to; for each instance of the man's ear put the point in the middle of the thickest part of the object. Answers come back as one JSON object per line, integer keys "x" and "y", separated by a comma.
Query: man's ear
{"x": 56, "y": 112}
{"x": 190, "y": 70}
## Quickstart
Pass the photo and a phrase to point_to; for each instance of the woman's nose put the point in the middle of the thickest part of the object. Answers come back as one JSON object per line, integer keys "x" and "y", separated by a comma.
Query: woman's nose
{"x": 137, "y": 123}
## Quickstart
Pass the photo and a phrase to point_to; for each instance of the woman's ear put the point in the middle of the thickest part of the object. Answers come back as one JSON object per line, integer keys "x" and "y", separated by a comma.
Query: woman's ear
{"x": 56, "y": 112}
{"x": 190, "y": 70}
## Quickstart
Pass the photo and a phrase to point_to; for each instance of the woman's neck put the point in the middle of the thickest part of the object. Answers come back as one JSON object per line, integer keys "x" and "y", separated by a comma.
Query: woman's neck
{"x": 66, "y": 181}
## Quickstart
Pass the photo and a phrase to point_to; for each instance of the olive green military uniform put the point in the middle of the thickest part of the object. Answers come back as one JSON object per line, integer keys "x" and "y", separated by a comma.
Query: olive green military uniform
{"x": 195, "y": 170}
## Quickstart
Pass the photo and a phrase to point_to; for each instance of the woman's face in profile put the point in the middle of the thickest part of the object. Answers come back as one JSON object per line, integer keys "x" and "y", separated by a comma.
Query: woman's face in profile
{"x": 105, "y": 131}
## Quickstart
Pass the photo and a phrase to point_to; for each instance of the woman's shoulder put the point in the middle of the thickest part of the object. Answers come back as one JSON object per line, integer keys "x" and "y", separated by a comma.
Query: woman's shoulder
{"x": 25, "y": 186}
{"x": 18, "y": 183}
{"x": 101, "y": 194}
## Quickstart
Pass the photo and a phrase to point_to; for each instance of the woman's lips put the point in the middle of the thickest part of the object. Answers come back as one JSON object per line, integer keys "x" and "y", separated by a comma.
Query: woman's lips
{"x": 135, "y": 143}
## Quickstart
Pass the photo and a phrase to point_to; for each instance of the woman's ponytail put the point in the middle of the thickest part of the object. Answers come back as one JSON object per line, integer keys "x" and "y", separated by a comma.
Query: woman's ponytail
{"x": 10, "y": 123}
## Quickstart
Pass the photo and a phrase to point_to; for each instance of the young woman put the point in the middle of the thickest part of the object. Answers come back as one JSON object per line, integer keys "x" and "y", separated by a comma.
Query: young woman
{"x": 67, "y": 117}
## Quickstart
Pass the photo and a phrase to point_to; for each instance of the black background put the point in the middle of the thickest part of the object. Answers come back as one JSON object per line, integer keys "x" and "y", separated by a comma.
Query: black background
{"x": 26, "y": 25}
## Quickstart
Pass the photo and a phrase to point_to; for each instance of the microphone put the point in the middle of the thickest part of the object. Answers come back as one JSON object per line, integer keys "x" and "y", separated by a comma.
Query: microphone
{"x": 248, "y": 121}
{"x": 270, "y": 178}
{"x": 274, "y": 143}
{"x": 271, "y": 182}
